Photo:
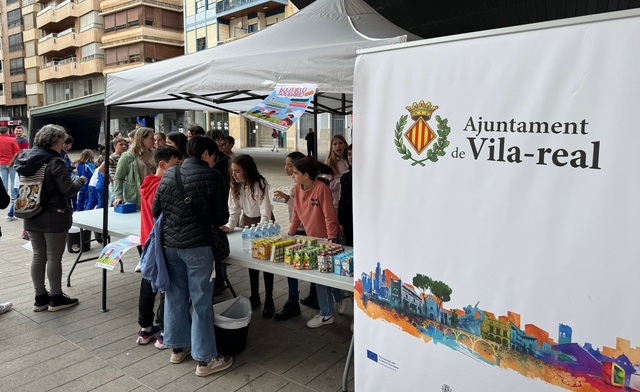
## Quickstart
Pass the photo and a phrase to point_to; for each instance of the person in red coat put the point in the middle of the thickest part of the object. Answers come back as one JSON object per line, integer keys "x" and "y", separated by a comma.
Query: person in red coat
{"x": 165, "y": 157}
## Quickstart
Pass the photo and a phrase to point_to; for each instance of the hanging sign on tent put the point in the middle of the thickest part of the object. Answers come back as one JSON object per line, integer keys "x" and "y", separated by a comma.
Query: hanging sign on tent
{"x": 284, "y": 106}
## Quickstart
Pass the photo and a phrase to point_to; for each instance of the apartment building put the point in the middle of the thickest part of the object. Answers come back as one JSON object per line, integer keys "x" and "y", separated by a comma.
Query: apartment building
{"x": 15, "y": 43}
{"x": 209, "y": 23}
{"x": 78, "y": 41}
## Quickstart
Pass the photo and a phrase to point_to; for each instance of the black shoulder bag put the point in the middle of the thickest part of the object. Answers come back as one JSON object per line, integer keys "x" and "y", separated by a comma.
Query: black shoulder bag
{"x": 219, "y": 238}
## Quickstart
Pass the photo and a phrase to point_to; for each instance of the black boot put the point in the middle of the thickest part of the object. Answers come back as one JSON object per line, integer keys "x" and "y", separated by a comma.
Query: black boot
{"x": 311, "y": 300}
{"x": 269, "y": 308}
{"x": 291, "y": 308}
{"x": 255, "y": 301}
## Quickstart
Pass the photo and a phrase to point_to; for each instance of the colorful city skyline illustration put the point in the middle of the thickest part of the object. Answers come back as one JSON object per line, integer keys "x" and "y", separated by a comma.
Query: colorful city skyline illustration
{"x": 417, "y": 308}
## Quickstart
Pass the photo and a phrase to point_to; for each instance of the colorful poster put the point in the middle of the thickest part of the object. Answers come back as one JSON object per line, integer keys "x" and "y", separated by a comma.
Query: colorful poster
{"x": 113, "y": 252}
{"x": 496, "y": 212}
{"x": 283, "y": 106}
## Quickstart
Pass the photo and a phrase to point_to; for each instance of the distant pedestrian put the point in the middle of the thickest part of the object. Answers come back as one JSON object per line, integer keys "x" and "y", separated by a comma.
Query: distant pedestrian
{"x": 276, "y": 140}
{"x": 311, "y": 142}
{"x": 9, "y": 150}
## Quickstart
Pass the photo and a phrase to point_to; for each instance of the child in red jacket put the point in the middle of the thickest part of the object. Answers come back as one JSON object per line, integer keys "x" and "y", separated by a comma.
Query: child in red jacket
{"x": 165, "y": 157}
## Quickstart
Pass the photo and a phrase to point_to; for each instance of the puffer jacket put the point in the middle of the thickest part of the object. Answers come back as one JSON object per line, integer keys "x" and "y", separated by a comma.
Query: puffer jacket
{"x": 58, "y": 187}
{"x": 5, "y": 199}
{"x": 181, "y": 228}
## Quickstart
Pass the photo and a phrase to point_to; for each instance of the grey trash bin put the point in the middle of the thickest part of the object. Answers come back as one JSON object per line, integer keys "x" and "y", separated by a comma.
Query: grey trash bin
{"x": 73, "y": 240}
{"x": 231, "y": 325}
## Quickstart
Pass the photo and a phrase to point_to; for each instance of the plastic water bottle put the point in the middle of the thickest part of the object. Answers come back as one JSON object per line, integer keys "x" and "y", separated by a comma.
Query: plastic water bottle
{"x": 262, "y": 230}
{"x": 276, "y": 229}
{"x": 255, "y": 231}
{"x": 246, "y": 240}
{"x": 269, "y": 229}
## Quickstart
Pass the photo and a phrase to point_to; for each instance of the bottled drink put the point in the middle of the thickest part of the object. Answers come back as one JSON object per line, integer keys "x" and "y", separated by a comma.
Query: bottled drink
{"x": 246, "y": 240}
{"x": 276, "y": 229}
{"x": 269, "y": 229}
{"x": 257, "y": 232}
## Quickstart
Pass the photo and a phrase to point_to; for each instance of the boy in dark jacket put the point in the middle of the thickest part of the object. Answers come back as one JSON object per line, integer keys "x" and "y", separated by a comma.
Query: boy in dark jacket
{"x": 189, "y": 255}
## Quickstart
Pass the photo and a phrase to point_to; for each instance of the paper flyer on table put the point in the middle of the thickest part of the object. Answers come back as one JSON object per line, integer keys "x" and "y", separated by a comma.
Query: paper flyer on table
{"x": 112, "y": 253}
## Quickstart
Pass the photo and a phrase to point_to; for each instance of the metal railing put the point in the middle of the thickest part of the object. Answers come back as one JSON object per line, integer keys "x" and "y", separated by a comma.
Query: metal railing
{"x": 226, "y": 5}
{"x": 54, "y": 7}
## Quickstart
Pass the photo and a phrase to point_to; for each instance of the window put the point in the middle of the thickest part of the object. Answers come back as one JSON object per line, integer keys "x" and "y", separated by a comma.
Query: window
{"x": 172, "y": 20}
{"x": 121, "y": 20}
{"x": 87, "y": 86}
{"x": 18, "y": 90}
{"x": 200, "y": 6}
{"x": 68, "y": 90}
{"x": 89, "y": 20}
{"x": 15, "y": 42}
{"x": 133, "y": 17}
{"x": 109, "y": 23}
{"x": 90, "y": 51}
{"x": 252, "y": 28}
{"x": 149, "y": 16}
{"x": 16, "y": 66}
{"x": 211, "y": 4}
{"x": 201, "y": 44}
{"x": 14, "y": 18}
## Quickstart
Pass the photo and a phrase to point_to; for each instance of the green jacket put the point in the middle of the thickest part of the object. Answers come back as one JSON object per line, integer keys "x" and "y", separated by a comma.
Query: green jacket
{"x": 127, "y": 181}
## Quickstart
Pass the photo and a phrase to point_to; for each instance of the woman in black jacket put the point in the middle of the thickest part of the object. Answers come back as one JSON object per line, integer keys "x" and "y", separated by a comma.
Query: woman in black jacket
{"x": 5, "y": 199}
{"x": 48, "y": 229}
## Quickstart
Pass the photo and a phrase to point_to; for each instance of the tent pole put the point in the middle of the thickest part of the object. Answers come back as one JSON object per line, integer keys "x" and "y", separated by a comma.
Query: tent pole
{"x": 315, "y": 121}
{"x": 105, "y": 197}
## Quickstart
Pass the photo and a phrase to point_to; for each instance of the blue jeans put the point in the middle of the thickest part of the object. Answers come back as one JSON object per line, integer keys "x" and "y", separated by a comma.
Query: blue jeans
{"x": 189, "y": 271}
{"x": 8, "y": 173}
{"x": 325, "y": 299}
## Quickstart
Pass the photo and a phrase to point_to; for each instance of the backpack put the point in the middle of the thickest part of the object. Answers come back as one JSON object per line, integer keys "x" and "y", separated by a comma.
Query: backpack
{"x": 30, "y": 196}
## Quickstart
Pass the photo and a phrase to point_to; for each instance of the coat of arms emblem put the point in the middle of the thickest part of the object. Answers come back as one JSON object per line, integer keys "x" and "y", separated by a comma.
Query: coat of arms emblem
{"x": 420, "y": 136}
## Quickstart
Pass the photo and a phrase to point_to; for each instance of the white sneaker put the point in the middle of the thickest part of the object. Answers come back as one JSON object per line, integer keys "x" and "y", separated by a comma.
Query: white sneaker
{"x": 138, "y": 267}
{"x": 319, "y": 320}
{"x": 5, "y": 307}
{"x": 10, "y": 218}
{"x": 217, "y": 364}
{"x": 341, "y": 306}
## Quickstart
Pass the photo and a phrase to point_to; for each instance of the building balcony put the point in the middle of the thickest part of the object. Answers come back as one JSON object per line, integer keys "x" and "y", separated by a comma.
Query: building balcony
{"x": 142, "y": 33}
{"x": 55, "y": 43}
{"x": 35, "y": 89}
{"x": 32, "y": 62}
{"x": 30, "y": 7}
{"x": 111, "y": 6}
{"x": 71, "y": 67}
{"x": 231, "y": 9}
{"x": 64, "y": 13}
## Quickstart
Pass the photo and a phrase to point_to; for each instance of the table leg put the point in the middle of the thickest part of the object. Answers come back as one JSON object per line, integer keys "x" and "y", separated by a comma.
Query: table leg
{"x": 104, "y": 291}
{"x": 75, "y": 262}
{"x": 345, "y": 375}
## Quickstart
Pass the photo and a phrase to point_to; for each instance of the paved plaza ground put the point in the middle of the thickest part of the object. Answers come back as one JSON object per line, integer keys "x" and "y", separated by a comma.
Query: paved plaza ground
{"x": 84, "y": 349}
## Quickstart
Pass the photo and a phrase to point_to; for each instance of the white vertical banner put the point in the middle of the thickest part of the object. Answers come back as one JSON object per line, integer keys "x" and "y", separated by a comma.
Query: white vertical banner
{"x": 497, "y": 212}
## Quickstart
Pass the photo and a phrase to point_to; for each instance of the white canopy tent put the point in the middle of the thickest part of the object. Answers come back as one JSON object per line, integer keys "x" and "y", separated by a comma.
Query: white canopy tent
{"x": 316, "y": 45}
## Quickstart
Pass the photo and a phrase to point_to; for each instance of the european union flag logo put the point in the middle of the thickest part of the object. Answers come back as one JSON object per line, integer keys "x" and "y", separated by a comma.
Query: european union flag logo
{"x": 372, "y": 356}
